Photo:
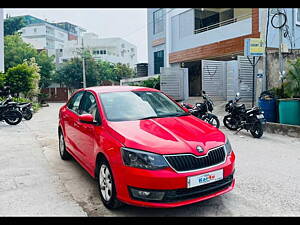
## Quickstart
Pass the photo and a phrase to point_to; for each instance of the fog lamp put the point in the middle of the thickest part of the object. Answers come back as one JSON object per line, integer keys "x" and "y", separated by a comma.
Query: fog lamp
{"x": 146, "y": 194}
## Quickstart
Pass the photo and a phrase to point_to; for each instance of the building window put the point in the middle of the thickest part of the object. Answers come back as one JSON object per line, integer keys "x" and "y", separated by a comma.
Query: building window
{"x": 297, "y": 16}
{"x": 210, "y": 18}
{"x": 158, "y": 24}
{"x": 35, "y": 30}
{"x": 158, "y": 61}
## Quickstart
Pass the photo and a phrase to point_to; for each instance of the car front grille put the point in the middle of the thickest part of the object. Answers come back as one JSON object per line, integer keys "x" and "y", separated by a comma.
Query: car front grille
{"x": 189, "y": 162}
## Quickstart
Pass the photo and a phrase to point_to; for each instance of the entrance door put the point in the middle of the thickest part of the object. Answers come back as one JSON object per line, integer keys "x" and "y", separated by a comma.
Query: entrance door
{"x": 245, "y": 78}
{"x": 174, "y": 82}
{"x": 214, "y": 79}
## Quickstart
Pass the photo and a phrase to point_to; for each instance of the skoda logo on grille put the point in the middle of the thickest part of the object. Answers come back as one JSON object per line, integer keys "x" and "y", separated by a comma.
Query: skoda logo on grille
{"x": 199, "y": 149}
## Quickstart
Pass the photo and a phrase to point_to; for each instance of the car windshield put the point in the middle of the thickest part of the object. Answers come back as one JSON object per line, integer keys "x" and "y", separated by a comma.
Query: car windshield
{"x": 138, "y": 105}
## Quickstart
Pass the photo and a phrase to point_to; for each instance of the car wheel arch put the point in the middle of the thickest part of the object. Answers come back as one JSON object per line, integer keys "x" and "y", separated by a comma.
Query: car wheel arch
{"x": 100, "y": 156}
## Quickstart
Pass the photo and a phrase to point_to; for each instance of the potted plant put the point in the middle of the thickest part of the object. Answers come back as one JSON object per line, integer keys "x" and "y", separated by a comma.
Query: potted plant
{"x": 289, "y": 107}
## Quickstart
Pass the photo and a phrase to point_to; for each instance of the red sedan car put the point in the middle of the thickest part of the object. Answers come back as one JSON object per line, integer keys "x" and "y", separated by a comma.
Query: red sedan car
{"x": 143, "y": 148}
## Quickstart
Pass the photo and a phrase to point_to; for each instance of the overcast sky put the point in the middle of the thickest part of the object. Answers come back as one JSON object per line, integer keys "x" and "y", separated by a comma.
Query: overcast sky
{"x": 127, "y": 23}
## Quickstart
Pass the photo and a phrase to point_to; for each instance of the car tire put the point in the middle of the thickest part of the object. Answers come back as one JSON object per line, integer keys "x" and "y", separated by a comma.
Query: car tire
{"x": 106, "y": 186}
{"x": 64, "y": 155}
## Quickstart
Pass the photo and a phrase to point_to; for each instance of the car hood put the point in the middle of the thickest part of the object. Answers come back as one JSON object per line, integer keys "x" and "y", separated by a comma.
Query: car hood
{"x": 171, "y": 135}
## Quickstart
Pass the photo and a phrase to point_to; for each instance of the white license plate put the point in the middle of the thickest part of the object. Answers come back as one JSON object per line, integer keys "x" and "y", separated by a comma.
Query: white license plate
{"x": 260, "y": 116}
{"x": 206, "y": 178}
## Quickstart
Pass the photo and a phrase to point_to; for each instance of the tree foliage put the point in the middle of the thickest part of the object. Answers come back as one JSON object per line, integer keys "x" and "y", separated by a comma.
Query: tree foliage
{"x": 71, "y": 72}
{"x": 23, "y": 78}
{"x": 13, "y": 24}
{"x": 2, "y": 80}
{"x": 292, "y": 82}
{"x": 16, "y": 51}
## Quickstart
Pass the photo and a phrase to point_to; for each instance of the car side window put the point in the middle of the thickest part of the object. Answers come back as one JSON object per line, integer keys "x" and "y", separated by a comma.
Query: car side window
{"x": 89, "y": 106}
{"x": 75, "y": 102}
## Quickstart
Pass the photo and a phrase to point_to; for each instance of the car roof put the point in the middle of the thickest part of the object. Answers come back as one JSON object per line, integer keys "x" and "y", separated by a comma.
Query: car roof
{"x": 105, "y": 89}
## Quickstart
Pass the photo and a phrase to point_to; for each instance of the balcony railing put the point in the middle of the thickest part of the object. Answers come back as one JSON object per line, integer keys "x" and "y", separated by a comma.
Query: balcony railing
{"x": 223, "y": 23}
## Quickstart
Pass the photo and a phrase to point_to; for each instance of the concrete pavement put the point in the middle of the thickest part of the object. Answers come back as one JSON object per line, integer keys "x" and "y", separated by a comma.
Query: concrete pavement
{"x": 28, "y": 186}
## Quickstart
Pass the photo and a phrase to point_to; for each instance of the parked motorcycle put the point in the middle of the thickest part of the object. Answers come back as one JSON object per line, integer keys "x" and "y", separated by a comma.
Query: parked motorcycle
{"x": 239, "y": 118}
{"x": 10, "y": 114}
{"x": 25, "y": 108}
{"x": 202, "y": 110}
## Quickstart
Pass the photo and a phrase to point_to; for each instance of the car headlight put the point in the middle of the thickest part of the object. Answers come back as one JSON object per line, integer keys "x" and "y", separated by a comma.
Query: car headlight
{"x": 227, "y": 147}
{"x": 142, "y": 159}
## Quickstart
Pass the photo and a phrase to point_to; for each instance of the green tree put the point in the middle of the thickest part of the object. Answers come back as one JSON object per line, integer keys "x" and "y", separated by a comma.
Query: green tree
{"x": 16, "y": 51}
{"x": 292, "y": 83}
{"x": 23, "y": 78}
{"x": 71, "y": 73}
{"x": 122, "y": 71}
{"x": 2, "y": 79}
{"x": 47, "y": 68}
{"x": 13, "y": 24}
{"x": 114, "y": 71}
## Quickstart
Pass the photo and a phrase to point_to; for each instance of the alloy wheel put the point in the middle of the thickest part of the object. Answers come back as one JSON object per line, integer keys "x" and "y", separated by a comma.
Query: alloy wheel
{"x": 105, "y": 180}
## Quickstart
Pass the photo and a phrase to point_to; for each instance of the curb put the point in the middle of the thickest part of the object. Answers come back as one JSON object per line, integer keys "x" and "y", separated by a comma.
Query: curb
{"x": 283, "y": 129}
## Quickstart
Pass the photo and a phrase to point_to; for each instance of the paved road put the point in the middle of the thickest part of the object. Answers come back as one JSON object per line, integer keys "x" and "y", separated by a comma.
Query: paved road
{"x": 35, "y": 181}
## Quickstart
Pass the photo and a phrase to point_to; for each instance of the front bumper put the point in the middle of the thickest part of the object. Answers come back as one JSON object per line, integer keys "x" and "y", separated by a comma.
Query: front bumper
{"x": 174, "y": 185}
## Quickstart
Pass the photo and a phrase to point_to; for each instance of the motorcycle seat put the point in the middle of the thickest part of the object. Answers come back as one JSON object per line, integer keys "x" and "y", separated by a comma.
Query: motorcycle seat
{"x": 240, "y": 105}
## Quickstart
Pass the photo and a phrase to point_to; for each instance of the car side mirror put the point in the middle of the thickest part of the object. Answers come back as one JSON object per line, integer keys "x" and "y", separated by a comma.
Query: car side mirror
{"x": 87, "y": 118}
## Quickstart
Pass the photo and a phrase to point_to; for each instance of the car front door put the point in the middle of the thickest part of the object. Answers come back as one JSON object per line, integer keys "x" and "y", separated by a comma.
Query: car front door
{"x": 71, "y": 125}
{"x": 87, "y": 132}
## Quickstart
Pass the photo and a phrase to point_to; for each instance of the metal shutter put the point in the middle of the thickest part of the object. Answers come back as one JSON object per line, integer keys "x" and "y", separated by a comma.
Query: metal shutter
{"x": 214, "y": 79}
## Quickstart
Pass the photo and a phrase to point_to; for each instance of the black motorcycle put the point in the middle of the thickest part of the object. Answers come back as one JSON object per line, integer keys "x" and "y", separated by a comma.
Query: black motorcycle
{"x": 201, "y": 110}
{"x": 25, "y": 108}
{"x": 239, "y": 118}
{"x": 10, "y": 114}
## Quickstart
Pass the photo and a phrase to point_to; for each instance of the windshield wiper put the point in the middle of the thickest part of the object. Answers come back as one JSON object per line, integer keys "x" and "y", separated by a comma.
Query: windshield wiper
{"x": 149, "y": 117}
{"x": 166, "y": 115}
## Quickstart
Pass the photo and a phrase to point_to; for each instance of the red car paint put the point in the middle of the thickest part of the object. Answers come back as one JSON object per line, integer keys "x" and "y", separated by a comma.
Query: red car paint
{"x": 170, "y": 135}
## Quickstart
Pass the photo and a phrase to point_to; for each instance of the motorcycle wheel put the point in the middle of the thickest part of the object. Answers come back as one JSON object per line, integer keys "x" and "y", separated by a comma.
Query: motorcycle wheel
{"x": 213, "y": 120}
{"x": 13, "y": 117}
{"x": 257, "y": 130}
{"x": 230, "y": 123}
{"x": 27, "y": 115}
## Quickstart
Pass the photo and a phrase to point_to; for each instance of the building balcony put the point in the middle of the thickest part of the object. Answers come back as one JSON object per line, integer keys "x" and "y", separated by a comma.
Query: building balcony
{"x": 211, "y": 18}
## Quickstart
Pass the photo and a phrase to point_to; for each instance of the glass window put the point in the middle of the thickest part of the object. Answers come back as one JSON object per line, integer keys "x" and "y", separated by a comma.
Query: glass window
{"x": 89, "y": 106}
{"x": 74, "y": 102}
{"x": 298, "y": 16}
{"x": 158, "y": 23}
{"x": 158, "y": 61}
{"x": 137, "y": 105}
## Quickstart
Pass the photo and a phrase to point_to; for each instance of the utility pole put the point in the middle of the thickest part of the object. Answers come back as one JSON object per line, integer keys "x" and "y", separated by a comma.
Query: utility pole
{"x": 281, "y": 72}
{"x": 83, "y": 65}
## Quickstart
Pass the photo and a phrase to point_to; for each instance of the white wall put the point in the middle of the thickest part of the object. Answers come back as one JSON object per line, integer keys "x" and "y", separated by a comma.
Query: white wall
{"x": 117, "y": 49}
{"x": 1, "y": 41}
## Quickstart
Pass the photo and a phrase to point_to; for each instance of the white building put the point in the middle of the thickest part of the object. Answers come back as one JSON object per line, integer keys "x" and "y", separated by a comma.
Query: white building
{"x": 1, "y": 41}
{"x": 44, "y": 36}
{"x": 115, "y": 50}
